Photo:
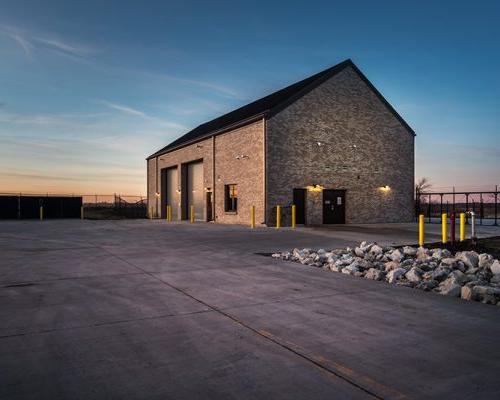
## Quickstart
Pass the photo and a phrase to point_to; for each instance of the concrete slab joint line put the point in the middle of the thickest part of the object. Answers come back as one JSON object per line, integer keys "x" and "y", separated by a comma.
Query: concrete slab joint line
{"x": 365, "y": 384}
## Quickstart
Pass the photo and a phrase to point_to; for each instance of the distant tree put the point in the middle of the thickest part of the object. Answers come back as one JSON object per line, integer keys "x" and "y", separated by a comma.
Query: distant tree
{"x": 422, "y": 185}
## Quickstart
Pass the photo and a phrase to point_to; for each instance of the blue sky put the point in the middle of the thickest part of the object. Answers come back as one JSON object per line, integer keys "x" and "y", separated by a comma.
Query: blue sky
{"x": 89, "y": 89}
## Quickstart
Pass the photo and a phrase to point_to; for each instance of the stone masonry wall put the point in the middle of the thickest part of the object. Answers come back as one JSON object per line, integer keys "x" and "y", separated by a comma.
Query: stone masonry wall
{"x": 362, "y": 147}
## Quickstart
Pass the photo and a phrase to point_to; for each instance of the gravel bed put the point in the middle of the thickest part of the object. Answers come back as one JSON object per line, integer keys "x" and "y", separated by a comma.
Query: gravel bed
{"x": 465, "y": 274}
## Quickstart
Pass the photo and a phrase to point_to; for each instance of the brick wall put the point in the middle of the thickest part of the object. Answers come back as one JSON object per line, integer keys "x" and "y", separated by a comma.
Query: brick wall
{"x": 341, "y": 113}
{"x": 247, "y": 172}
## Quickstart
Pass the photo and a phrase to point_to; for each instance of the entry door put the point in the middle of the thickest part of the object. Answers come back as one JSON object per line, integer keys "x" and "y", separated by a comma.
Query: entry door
{"x": 209, "y": 207}
{"x": 299, "y": 200}
{"x": 333, "y": 206}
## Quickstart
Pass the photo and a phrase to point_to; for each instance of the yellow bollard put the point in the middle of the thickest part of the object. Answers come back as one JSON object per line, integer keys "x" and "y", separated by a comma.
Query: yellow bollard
{"x": 444, "y": 228}
{"x": 462, "y": 227}
{"x": 421, "y": 230}
{"x": 278, "y": 217}
{"x": 293, "y": 216}
{"x": 191, "y": 213}
{"x": 41, "y": 213}
{"x": 81, "y": 213}
{"x": 168, "y": 213}
{"x": 252, "y": 217}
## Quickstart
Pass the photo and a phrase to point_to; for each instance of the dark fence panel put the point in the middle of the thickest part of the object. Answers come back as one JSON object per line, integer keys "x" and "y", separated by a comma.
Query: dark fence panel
{"x": 8, "y": 207}
{"x": 28, "y": 207}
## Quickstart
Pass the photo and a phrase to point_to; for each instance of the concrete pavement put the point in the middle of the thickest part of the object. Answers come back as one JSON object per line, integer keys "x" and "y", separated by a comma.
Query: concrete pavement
{"x": 146, "y": 310}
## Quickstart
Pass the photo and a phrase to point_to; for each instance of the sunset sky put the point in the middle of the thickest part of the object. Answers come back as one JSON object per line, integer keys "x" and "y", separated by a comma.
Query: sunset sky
{"x": 89, "y": 89}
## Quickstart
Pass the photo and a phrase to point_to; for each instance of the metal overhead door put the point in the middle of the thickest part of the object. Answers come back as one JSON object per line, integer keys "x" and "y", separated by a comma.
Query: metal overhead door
{"x": 173, "y": 197}
{"x": 195, "y": 191}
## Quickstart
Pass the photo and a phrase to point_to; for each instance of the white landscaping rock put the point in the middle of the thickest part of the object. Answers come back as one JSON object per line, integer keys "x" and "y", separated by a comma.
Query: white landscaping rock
{"x": 414, "y": 275}
{"x": 395, "y": 274}
{"x": 409, "y": 251}
{"x": 376, "y": 250}
{"x": 449, "y": 288}
{"x": 495, "y": 267}
{"x": 375, "y": 274}
{"x": 396, "y": 255}
{"x": 469, "y": 258}
{"x": 485, "y": 260}
{"x": 390, "y": 265}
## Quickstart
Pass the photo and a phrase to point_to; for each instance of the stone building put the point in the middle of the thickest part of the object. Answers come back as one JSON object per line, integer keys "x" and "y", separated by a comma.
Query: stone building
{"x": 330, "y": 144}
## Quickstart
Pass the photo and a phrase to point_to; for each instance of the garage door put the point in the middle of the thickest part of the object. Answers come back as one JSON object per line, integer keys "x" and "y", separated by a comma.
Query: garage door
{"x": 195, "y": 188}
{"x": 173, "y": 197}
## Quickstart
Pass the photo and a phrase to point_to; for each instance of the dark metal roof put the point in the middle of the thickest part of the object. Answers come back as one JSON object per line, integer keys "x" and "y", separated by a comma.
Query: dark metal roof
{"x": 268, "y": 105}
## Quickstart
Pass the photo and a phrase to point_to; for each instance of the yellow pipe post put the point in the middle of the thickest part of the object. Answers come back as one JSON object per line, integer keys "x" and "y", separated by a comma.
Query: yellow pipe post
{"x": 168, "y": 213}
{"x": 81, "y": 213}
{"x": 462, "y": 227}
{"x": 421, "y": 230}
{"x": 41, "y": 213}
{"x": 191, "y": 211}
{"x": 278, "y": 217}
{"x": 252, "y": 217}
{"x": 444, "y": 227}
{"x": 293, "y": 215}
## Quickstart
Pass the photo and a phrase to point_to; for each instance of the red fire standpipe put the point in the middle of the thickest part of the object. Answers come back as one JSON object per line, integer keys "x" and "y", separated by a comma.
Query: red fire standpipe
{"x": 452, "y": 227}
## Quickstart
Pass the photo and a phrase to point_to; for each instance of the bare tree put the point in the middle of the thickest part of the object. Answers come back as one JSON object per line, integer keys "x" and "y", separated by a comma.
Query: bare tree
{"x": 423, "y": 184}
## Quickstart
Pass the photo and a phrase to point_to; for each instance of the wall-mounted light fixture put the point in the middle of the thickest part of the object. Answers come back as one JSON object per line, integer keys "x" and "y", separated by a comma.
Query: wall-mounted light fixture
{"x": 157, "y": 194}
{"x": 178, "y": 190}
{"x": 385, "y": 188}
{"x": 207, "y": 189}
{"x": 199, "y": 146}
{"x": 315, "y": 188}
{"x": 241, "y": 157}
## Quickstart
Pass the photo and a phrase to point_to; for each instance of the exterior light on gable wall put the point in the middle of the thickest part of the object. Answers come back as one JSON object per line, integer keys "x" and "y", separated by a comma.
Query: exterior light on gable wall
{"x": 385, "y": 188}
{"x": 242, "y": 157}
{"x": 157, "y": 194}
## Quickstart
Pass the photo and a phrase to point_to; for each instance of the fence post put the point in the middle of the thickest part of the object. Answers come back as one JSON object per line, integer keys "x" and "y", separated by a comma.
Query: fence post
{"x": 278, "y": 217}
{"x": 252, "y": 217}
{"x": 293, "y": 215}
{"x": 444, "y": 228}
{"x": 421, "y": 230}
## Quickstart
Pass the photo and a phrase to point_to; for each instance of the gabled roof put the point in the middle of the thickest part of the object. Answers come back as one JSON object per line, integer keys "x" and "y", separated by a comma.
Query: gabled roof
{"x": 269, "y": 105}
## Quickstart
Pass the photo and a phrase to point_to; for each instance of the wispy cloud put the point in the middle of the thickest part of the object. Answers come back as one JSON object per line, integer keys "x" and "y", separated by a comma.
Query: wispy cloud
{"x": 59, "y": 45}
{"x": 24, "y": 43}
{"x": 122, "y": 108}
{"x": 30, "y": 41}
